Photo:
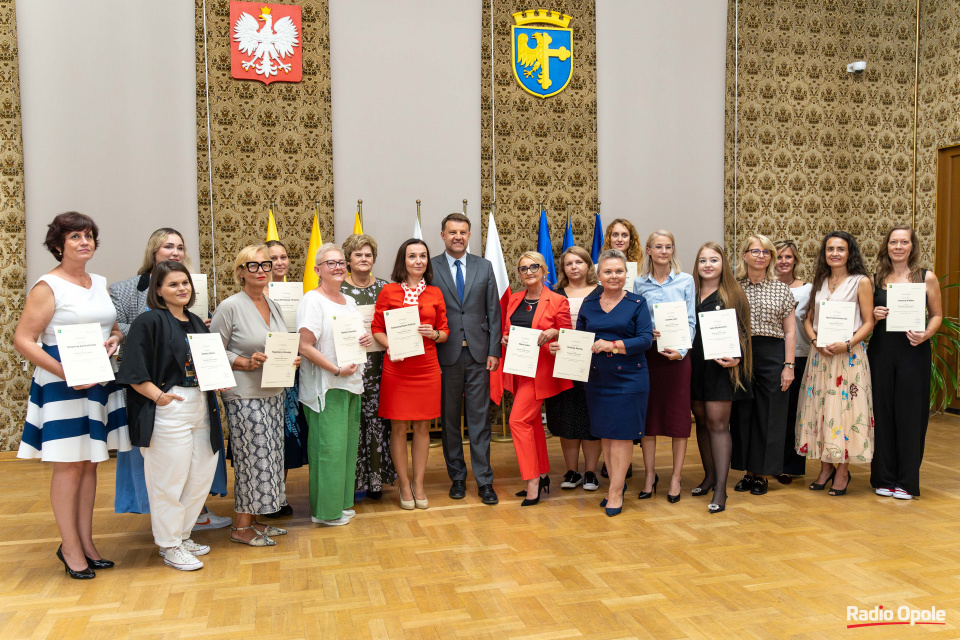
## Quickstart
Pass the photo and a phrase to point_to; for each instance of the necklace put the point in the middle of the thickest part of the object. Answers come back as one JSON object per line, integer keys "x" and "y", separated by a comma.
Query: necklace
{"x": 531, "y": 304}
{"x": 353, "y": 280}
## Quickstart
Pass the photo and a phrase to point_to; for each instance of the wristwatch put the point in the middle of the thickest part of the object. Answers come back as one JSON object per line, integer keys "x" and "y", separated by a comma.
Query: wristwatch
{"x": 848, "y": 346}
{"x": 789, "y": 365}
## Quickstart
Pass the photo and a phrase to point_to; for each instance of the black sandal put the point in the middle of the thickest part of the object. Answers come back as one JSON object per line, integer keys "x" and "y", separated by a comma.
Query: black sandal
{"x": 816, "y": 486}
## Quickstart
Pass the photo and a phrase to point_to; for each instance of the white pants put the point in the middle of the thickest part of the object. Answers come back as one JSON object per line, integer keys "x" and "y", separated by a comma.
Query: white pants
{"x": 178, "y": 466}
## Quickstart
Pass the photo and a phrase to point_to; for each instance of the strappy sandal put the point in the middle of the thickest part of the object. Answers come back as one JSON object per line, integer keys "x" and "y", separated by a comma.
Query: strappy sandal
{"x": 270, "y": 530}
{"x": 259, "y": 539}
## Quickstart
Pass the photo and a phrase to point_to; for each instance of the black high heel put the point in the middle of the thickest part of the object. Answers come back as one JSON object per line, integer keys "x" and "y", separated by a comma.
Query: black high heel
{"x": 816, "y": 486}
{"x": 83, "y": 574}
{"x": 841, "y": 492}
{"x": 674, "y": 499}
{"x": 603, "y": 503}
{"x": 99, "y": 564}
{"x": 649, "y": 494}
{"x": 543, "y": 486}
{"x": 699, "y": 491}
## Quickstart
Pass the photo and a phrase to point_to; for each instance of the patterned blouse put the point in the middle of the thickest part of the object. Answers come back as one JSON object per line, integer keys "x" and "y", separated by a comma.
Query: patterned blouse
{"x": 770, "y": 302}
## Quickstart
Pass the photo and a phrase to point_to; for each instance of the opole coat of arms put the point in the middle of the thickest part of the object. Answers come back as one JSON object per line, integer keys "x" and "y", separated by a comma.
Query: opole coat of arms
{"x": 542, "y": 55}
{"x": 265, "y": 43}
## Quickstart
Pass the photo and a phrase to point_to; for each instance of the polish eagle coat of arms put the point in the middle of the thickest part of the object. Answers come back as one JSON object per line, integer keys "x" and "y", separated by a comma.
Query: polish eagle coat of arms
{"x": 542, "y": 55}
{"x": 266, "y": 47}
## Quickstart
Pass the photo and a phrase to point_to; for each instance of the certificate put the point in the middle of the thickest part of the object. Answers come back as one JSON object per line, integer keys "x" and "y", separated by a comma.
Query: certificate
{"x": 575, "y": 304}
{"x": 287, "y": 296}
{"x": 347, "y": 331}
{"x": 82, "y": 354}
{"x": 210, "y": 361}
{"x": 908, "y": 307}
{"x": 718, "y": 330}
{"x": 367, "y": 310}
{"x": 281, "y": 351}
{"x": 573, "y": 359}
{"x": 835, "y": 322}
{"x": 402, "y": 335}
{"x": 200, "y": 308}
{"x": 672, "y": 323}
{"x": 522, "y": 352}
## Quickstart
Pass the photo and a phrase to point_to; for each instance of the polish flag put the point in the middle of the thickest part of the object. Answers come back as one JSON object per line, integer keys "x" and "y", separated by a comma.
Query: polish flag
{"x": 494, "y": 253}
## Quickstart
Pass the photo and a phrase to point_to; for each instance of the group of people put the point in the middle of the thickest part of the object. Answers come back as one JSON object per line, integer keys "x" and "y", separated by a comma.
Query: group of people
{"x": 764, "y": 413}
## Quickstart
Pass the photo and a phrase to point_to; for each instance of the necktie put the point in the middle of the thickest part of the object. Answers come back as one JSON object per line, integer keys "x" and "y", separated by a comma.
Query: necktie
{"x": 459, "y": 281}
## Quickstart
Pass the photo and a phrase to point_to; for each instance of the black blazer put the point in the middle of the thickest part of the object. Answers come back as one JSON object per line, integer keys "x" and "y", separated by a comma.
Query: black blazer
{"x": 156, "y": 351}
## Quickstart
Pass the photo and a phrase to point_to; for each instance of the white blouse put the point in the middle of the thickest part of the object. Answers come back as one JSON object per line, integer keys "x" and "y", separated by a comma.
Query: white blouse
{"x": 802, "y": 294}
{"x": 316, "y": 314}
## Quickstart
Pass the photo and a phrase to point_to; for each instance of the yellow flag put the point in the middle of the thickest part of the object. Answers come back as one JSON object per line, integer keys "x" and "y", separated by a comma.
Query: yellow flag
{"x": 272, "y": 228}
{"x": 357, "y": 225}
{"x": 310, "y": 279}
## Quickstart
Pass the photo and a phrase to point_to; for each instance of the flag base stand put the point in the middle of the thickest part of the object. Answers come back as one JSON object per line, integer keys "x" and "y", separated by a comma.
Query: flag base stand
{"x": 435, "y": 442}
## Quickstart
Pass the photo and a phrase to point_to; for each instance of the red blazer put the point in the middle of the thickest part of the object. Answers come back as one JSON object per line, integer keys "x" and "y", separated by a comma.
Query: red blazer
{"x": 553, "y": 312}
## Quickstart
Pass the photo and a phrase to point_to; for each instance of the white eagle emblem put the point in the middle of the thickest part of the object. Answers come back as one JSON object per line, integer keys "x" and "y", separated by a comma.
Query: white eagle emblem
{"x": 268, "y": 44}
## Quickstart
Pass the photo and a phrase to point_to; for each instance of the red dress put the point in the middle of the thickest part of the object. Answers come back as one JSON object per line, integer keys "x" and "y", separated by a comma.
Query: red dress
{"x": 410, "y": 389}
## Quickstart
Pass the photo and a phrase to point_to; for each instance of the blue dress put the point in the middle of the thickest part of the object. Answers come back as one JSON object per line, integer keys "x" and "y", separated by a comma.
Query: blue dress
{"x": 619, "y": 383}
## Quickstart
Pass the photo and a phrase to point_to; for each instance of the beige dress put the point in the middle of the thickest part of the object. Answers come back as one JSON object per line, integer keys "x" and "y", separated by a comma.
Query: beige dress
{"x": 835, "y": 421}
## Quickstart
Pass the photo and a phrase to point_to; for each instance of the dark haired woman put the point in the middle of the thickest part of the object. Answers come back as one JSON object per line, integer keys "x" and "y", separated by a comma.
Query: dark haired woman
{"x": 900, "y": 366}
{"x": 835, "y": 423}
{"x": 72, "y": 427}
{"x": 716, "y": 383}
{"x": 176, "y": 425}
{"x": 410, "y": 392}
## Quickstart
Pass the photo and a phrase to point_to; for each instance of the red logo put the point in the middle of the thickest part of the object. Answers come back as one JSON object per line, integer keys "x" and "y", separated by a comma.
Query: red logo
{"x": 265, "y": 42}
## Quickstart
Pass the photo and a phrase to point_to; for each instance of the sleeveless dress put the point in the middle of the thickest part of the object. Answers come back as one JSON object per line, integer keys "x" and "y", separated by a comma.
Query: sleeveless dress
{"x": 835, "y": 421}
{"x": 63, "y": 424}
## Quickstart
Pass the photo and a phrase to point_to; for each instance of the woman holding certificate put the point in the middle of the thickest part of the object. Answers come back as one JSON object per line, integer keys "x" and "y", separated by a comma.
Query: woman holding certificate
{"x": 72, "y": 427}
{"x": 788, "y": 259}
{"x": 670, "y": 295}
{"x": 756, "y": 425}
{"x": 835, "y": 424}
{"x": 537, "y": 309}
{"x": 175, "y": 424}
{"x": 409, "y": 320}
{"x": 619, "y": 382}
{"x": 567, "y": 411}
{"x": 899, "y": 355}
{"x": 255, "y": 415}
{"x": 374, "y": 464}
{"x": 331, "y": 381}
{"x": 718, "y": 380}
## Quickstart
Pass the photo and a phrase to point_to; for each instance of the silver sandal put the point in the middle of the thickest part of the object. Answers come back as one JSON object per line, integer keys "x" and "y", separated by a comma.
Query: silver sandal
{"x": 259, "y": 539}
{"x": 271, "y": 530}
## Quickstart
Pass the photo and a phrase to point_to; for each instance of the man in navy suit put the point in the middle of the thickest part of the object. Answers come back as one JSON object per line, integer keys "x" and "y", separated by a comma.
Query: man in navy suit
{"x": 468, "y": 356}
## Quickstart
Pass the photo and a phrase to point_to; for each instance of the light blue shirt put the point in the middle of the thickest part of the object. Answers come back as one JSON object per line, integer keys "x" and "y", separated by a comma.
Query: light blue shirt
{"x": 678, "y": 287}
{"x": 453, "y": 267}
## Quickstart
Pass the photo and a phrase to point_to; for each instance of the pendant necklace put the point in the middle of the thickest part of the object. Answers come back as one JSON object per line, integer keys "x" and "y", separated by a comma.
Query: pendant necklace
{"x": 531, "y": 304}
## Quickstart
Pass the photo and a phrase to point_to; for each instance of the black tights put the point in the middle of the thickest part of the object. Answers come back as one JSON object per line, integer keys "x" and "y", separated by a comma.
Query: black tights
{"x": 713, "y": 440}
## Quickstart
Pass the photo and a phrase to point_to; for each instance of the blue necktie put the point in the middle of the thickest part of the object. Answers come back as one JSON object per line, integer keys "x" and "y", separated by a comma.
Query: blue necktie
{"x": 459, "y": 281}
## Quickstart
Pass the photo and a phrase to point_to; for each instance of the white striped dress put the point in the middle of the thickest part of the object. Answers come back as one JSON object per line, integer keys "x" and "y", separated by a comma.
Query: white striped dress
{"x": 63, "y": 424}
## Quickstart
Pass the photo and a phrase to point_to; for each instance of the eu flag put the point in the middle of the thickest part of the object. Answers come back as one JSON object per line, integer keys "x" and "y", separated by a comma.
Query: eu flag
{"x": 567, "y": 238}
{"x": 597, "y": 238}
{"x": 545, "y": 248}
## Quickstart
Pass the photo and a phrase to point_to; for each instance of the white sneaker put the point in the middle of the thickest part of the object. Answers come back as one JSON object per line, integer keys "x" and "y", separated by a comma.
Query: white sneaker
{"x": 210, "y": 520}
{"x": 192, "y": 547}
{"x": 180, "y": 558}
{"x": 900, "y": 494}
{"x": 882, "y": 491}
{"x": 349, "y": 513}
{"x": 339, "y": 522}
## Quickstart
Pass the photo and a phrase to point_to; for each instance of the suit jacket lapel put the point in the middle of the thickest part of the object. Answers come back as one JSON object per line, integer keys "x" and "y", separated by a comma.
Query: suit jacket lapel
{"x": 538, "y": 314}
{"x": 470, "y": 273}
{"x": 443, "y": 271}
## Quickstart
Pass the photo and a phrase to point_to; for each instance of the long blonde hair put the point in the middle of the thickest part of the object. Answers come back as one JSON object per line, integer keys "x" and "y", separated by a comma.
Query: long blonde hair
{"x": 731, "y": 296}
{"x": 154, "y": 242}
{"x": 646, "y": 266}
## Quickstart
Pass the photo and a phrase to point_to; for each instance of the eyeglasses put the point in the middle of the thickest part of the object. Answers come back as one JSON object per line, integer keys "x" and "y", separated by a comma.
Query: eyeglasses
{"x": 531, "y": 269}
{"x": 266, "y": 265}
{"x": 333, "y": 264}
{"x": 756, "y": 253}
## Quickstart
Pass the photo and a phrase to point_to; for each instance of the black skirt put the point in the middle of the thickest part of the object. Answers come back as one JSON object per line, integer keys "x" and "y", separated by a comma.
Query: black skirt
{"x": 567, "y": 415}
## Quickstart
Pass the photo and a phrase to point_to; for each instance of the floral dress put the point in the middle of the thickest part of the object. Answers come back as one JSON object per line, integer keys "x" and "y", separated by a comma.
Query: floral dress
{"x": 835, "y": 421}
{"x": 374, "y": 464}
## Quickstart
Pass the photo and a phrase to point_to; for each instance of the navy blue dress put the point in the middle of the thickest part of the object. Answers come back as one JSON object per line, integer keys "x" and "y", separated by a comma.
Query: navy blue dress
{"x": 619, "y": 383}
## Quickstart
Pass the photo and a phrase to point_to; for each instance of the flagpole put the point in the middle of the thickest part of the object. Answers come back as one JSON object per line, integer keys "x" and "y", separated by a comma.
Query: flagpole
{"x": 504, "y": 435}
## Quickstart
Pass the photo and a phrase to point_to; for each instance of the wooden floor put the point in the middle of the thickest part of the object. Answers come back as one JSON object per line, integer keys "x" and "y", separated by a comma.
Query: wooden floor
{"x": 784, "y": 565}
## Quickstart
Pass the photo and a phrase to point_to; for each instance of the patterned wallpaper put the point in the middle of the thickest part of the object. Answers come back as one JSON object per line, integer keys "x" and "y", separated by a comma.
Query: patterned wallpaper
{"x": 271, "y": 144}
{"x": 546, "y": 149}
{"x": 938, "y": 121}
{"x": 14, "y": 383}
{"x": 821, "y": 149}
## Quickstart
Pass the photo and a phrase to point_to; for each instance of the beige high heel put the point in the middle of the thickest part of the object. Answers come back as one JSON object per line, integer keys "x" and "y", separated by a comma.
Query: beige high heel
{"x": 408, "y": 505}
{"x": 420, "y": 504}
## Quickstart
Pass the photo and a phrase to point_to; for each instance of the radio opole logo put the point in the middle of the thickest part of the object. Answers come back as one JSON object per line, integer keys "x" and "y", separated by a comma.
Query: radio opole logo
{"x": 878, "y": 616}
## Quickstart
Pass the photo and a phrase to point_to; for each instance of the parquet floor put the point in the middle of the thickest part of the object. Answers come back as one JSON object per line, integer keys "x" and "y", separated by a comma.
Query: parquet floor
{"x": 784, "y": 565}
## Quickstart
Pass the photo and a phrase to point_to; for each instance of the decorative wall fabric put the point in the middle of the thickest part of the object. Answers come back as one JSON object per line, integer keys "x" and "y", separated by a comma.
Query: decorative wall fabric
{"x": 14, "y": 383}
{"x": 939, "y": 105}
{"x": 271, "y": 144}
{"x": 821, "y": 149}
{"x": 546, "y": 149}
